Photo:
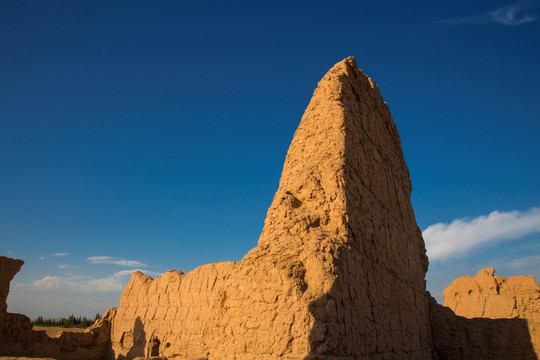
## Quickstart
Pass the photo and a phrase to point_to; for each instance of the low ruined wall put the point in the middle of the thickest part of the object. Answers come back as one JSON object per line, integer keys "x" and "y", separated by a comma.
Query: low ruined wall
{"x": 487, "y": 317}
{"x": 169, "y": 315}
{"x": 220, "y": 311}
{"x": 459, "y": 338}
{"x": 494, "y": 297}
{"x": 18, "y": 339}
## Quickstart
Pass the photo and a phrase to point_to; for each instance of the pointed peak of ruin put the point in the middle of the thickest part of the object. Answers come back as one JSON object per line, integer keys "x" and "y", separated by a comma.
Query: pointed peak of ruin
{"x": 346, "y": 71}
{"x": 349, "y": 63}
{"x": 346, "y": 140}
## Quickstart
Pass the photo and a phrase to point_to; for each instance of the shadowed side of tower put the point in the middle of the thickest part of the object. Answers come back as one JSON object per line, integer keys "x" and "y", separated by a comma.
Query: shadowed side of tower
{"x": 379, "y": 293}
{"x": 344, "y": 206}
{"x": 343, "y": 213}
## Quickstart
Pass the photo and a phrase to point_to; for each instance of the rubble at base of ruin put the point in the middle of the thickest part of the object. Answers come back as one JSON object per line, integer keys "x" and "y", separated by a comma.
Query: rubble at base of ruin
{"x": 338, "y": 272}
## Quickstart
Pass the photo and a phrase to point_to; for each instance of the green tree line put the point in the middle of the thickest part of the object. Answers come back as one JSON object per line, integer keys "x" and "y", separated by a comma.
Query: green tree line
{"x": 70, "y": 321}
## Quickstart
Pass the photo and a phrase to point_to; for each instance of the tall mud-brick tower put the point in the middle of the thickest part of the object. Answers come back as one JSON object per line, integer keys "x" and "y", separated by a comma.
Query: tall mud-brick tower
{"x": 339, "y": 269}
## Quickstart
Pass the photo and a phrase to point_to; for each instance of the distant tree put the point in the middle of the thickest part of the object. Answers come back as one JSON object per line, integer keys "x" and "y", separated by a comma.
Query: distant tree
{"x": 70, "y": 321}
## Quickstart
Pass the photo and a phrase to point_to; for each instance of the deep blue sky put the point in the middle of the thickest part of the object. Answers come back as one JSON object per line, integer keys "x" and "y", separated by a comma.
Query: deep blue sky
{"x": 155, "y": 131}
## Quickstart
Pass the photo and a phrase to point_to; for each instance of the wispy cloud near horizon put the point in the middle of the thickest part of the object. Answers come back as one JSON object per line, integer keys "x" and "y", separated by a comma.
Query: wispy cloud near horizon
{"x": 525, "y": 262}
{"x": 88, "y": 284}
{"x": 115, "y": 261}
{"x": 59, "y": 254}
{"x": 462, "y": 235}
{"x": 511, "y": 15}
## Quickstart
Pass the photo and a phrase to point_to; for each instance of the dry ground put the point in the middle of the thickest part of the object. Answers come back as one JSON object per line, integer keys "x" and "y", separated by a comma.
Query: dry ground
{"x": 53, "y": 330}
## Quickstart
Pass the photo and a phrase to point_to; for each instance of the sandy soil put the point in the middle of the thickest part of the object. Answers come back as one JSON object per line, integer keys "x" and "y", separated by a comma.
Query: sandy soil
{"x": 53, "y": 330}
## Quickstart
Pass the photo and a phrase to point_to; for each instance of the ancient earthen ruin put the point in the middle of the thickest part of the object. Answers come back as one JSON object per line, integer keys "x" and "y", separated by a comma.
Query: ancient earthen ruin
{"x": 338, "y": 272}
{"x": 340, "y": 257}
{"x": 497, "y": 303}
{"x": 18, "y": 339}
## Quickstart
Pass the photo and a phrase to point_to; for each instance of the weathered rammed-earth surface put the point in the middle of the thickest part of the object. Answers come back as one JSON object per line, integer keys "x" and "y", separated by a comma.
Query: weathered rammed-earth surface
{"x": 340, "y": 265}
{"x": 18, "y": 339}
{"x": 503, "y": 314}
{"x": 8, "y": 268}
{"x": 495, "y": 297}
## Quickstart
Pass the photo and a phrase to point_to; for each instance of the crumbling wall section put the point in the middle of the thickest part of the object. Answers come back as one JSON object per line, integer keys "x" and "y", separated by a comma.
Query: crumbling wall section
{"x": 459, "y": 338}
{"x": 508, "y": 301}
{"x": 8, "y": 268}
{"x": 169, "y": 315}
{"x": 18, "y": 339}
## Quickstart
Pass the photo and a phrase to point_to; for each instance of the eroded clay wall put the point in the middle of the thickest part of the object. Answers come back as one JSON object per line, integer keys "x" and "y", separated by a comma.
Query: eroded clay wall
{"x": 18, "y": 339}
{"x": 460, "y": 338}
{"x": 8, "y": 268}
{"x": 513, "y": 300}
{"x": 382, "y": 264}
{"x": 168, "y": 315}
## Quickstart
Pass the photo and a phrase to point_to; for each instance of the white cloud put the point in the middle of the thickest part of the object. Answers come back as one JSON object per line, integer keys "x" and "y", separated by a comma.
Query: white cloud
{"x": 463, "y": 235}
{"x": 87, "y": 284}
{"x": 510, "y": 15}
{"x": 43, "y": 257}
{"x": 62, "y": 266}
{"x": 525, "y": 262}
{"x": 102, "y": 285}
{"x": 115, "y": 261}
{"x": 48, "y": 283}
{"x": 60, "y": 254}
{"x": 79, "y": 284}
